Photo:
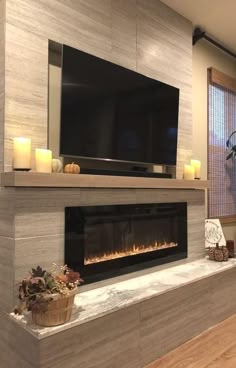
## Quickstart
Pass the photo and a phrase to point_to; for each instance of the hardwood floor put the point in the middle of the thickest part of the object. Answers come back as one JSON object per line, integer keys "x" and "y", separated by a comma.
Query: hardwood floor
{"x": 215, "y": 348}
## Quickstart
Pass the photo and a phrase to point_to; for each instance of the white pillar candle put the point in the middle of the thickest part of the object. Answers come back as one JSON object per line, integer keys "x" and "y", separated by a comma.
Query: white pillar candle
{"x": 197, "y": 168}
{"x": 43, "y": 160}
{"x": 188, "y": 172}
{"x": 21, "y": 153}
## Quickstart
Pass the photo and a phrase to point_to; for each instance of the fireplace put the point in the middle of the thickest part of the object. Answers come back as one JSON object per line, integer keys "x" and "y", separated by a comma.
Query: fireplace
{"x": 105, "y": 241}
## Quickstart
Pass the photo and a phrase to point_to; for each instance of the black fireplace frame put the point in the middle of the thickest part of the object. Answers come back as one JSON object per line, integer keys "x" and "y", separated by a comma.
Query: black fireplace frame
{"x": 119, "y": 266}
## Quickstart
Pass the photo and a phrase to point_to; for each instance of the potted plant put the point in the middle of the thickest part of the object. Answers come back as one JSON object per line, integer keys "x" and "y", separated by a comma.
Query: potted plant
{"x": 49, "y": 295}
{"x": 231, "y": 147}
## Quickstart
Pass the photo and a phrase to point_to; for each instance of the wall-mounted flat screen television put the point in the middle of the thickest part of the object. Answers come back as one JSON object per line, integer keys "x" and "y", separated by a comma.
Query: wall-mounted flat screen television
{"x": 112, "y": 113}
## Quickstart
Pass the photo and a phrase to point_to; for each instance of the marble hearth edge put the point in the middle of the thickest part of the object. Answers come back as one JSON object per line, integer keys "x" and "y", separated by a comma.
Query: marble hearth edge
{"x": 102, "y": 301}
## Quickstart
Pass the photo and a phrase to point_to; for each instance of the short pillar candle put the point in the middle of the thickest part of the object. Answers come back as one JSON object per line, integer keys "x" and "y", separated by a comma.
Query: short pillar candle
{"x": 43, "y": 160}
{"x": 21, "y": 153}
{"x": 188, "y": 172}
{"x": 197, "y": 168}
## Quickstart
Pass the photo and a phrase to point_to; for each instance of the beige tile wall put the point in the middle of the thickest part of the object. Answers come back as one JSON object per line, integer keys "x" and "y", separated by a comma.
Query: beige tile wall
{"x": 26, "y": 90}
{"x": 7, "y": 248}
{"x": 39, "y": 219}
{"x": 2, "y": 10}
{"x": 143, "y": 35}
{"x": 32, "y": 225}
{"x": 167, "y": 324}
{"x": 2, "y": 81}
{"x": 18, "y": 347}
{"x": 117, "y": 334}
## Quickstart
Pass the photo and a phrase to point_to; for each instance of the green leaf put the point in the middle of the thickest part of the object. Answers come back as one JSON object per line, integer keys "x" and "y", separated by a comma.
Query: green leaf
{"x": 230, "y": 155}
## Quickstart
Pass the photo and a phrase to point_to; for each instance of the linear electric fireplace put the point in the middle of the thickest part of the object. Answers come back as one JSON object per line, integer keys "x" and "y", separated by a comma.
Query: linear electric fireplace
{"x": 104, "y": 241}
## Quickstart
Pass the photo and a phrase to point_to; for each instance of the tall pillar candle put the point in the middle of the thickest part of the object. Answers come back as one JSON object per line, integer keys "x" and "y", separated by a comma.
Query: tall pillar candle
{"x": 197, "y": 168}
{"x": 21, "y": 153}
{"x": 188, "y": 172}
{"x": 43, "y": 160}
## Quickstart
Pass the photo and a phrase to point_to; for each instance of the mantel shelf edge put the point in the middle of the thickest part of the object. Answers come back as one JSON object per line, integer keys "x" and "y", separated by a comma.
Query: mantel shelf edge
{"x": 53, "y": 180}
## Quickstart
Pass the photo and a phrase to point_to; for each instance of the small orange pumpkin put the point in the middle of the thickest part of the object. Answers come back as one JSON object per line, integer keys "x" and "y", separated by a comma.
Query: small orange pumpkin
{"x": 72, "y": 168}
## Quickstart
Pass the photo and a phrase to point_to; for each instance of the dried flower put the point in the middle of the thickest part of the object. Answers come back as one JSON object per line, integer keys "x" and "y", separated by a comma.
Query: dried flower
{"x": 35, "y": 290}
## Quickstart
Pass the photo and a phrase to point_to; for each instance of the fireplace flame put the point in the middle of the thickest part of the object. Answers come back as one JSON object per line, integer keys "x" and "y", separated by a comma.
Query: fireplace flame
{"x": 136, "y": 249}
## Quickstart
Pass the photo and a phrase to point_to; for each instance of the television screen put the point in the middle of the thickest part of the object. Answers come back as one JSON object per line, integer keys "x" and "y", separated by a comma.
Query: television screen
{"x": 110, "y": 112}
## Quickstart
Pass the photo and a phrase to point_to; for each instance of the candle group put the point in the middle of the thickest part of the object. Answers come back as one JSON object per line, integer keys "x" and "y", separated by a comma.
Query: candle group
{"x": 192, "y": 171}
{"x": 188, "y": 172}
{"x": 43, "y": 160}
{"x": 22, "y": 156}
{"x": 197, "y": 168}
{"x": 21, "y": 153}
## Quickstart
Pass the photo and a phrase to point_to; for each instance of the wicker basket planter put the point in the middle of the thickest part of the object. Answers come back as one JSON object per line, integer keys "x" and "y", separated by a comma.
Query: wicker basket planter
{"x": 59, "y": 310}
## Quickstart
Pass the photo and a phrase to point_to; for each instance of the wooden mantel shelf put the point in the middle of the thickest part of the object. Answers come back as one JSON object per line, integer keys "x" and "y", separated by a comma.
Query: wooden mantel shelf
{"x": 33, "y": 179}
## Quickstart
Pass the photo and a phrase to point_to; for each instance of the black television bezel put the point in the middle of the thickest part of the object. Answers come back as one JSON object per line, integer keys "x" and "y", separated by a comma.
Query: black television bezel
{"x": 101, "y": 159}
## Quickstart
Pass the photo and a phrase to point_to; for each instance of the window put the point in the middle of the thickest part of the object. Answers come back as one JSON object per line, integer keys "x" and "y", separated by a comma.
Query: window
{"x": 221, "y": 123}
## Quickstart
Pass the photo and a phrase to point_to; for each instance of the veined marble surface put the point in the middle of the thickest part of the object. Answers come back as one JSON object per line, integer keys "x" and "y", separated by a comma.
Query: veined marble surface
{"x": 96, "y": 303}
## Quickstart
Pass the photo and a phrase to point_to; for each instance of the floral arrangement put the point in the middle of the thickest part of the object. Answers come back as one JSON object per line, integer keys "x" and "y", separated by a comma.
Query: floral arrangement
{"x": 35, "y": 291}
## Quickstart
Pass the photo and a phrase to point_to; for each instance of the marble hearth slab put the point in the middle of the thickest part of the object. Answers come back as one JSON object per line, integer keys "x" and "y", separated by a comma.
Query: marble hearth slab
{"x": 96, "y": 303}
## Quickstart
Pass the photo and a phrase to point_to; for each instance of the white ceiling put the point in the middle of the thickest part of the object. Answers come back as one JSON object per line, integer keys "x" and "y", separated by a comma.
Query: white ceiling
{"x": 216, "y": 17}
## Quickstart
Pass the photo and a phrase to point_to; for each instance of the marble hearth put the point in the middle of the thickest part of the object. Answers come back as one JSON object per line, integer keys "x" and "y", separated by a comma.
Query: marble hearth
{"x": 98, "y": 302}
{"x": 131, "y": 323}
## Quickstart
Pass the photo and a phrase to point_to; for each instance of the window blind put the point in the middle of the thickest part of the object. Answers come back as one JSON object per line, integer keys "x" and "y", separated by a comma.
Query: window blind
{"x": 221, "y": 123}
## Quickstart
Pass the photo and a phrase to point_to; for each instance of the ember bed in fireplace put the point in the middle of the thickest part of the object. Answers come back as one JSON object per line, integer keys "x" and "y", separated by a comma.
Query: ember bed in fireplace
{"x": 106, "y": 241}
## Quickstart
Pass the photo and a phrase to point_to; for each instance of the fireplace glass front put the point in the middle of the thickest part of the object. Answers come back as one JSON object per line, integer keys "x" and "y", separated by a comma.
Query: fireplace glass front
{"x": 104, "y": 241}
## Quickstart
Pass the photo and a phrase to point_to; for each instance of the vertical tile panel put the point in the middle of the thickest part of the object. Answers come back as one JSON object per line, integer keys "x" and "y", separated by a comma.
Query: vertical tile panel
{"x": 26, "y": 89}
{"x": 123, "y": 35}
{"x": 111, "y": 341}
{"x": 18, "y": 347}
{"x": 7, "y": 248}
{"x": 2, "y": 82}
{"x": 2, "y": 11}
{"x": 171, "y": 319}
{"x": 83, "y": 24}
{"x": 7, "y": 285}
